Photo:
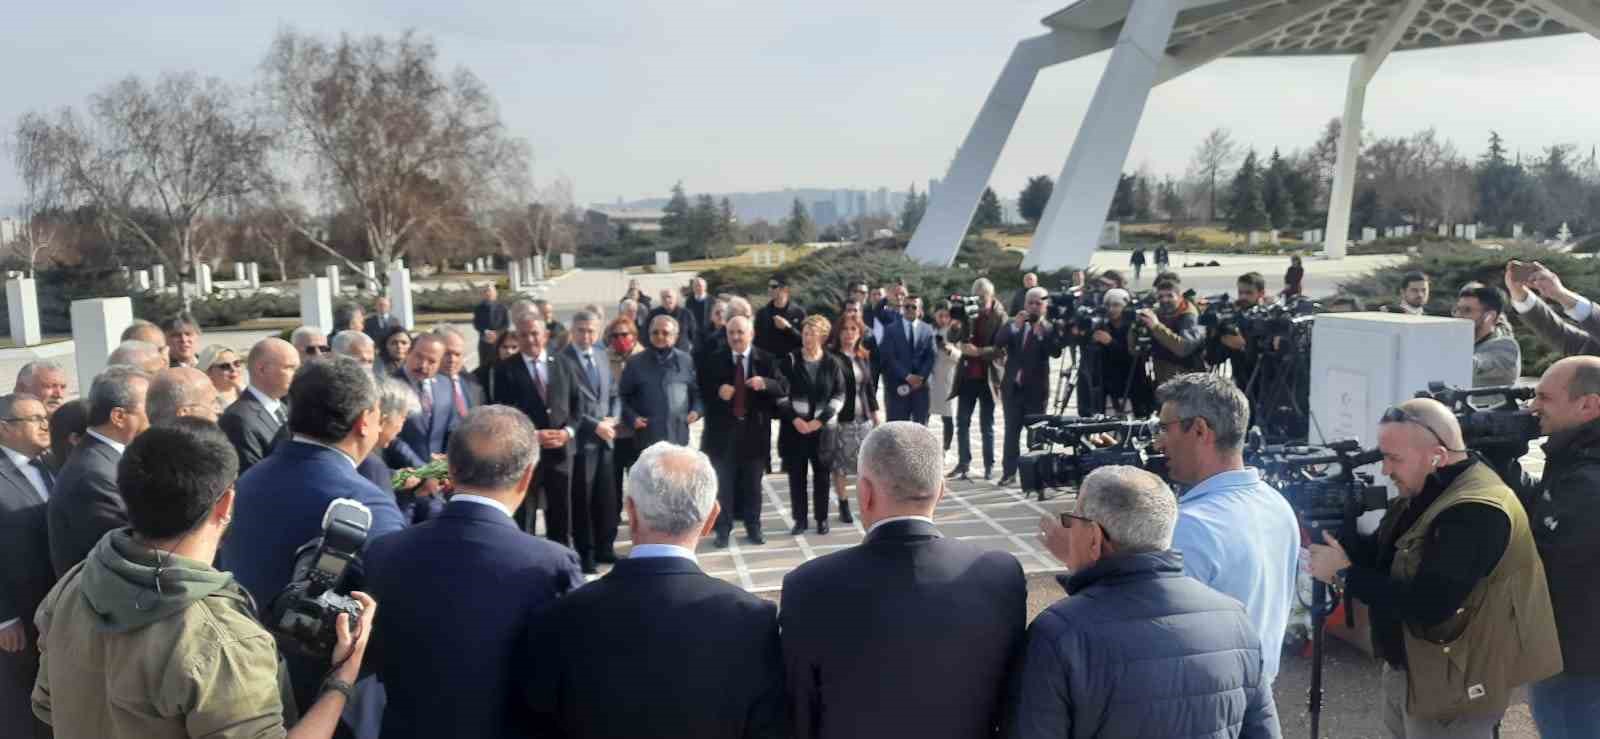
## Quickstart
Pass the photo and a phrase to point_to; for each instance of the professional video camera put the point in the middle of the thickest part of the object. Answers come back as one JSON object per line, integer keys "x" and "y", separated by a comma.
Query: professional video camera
{"x": 303, "y": 615}
{"x": 1288, "y": 320}
{"x": 1067, "y": 302}
{"x": 1044, "y": 469}
{"x": 1493, "y": 424}
{"x": 962, "y": 307}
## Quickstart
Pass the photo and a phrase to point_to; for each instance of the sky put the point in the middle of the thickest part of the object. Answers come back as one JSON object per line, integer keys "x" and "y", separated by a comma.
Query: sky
{"x": 626, "y": 97}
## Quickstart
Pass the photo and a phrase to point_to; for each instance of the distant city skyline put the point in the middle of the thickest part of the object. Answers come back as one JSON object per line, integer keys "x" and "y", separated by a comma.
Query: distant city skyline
{"x": 626, "y": 98}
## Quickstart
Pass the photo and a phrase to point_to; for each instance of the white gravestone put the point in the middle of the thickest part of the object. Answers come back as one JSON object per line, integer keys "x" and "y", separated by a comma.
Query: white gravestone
{"x": 1472, "y": 232}
{"x": 663, "y": 261}
{"x": 253, "y": 273}
{"x": 239, "y": 272}
{"x": 1516, "y": 230}
{"x": 141, "y": 280}
{"x": 1369, "y": 234}
{"x": 22, "y": 306}
{"x": 1444, "y": 230}
{"x": 515, "y": 269}
{"x": 333, "y": 279}
{"x": 203, "y": 279}
{"x": 1254, "y": 238}
{"x": 97, "y": 326}
{"x": 400, "y": 299}
{"x": 158, "y": 276}
{"x": 538, "y": 268}
{"x": 569, "y": 261}
{"x": 316, "y": 303}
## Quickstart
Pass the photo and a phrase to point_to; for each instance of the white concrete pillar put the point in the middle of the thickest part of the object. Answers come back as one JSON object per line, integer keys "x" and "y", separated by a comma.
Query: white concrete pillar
{"x": 316, "y": 303}
{"x": 663, "y": 261}
{"x": 371, "y": 270}
{"x": 1472, "y": 232}
{"x": 203, "y": 279}
{"x": 400, "y": 301}
{"x": 1077, "y": 209}
{"x": 141, "y": 280}
{"x": 514, "y": 269}
{"x": 1516, "y": 230}
{"x": 252, "y": 273}
{"x": 97, "y": 326}
{"x": 22, "y": 306}
{"x": 158, "y": 276}
{"x": 1342, "y": 196}
{"x": 333, "y": 279}
{"x": 1253, "y": 238}
{"x": 569, "y": 261}
{"x": 1460, "y": 231}
{"x": 538, "y": 268}
{"x": 1369, "y": 234}
{"x": 240, "y": 272}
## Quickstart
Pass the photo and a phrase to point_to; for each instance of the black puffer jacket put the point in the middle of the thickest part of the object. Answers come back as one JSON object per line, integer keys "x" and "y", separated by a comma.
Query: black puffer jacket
{"x": 1141, "y": 650}
{"x": 1565, "y": 514}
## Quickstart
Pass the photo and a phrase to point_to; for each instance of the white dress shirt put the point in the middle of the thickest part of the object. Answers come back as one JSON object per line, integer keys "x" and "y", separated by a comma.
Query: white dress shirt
{"x": 1578, "y": 312}
{"x": 483, "y": 501}
{"x": 28, "y": 470}
{"x": 647, "y": 551}
{"x": 925, "y": 519}
{"x": 117, "y": 445}
{"x": 270, "y": 404}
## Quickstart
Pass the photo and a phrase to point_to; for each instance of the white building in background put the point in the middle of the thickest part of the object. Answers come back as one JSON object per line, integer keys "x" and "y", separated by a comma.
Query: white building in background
{"x": 10, "y": 230}
{"x": 600, "y": 225}
{"x": 1155, "y": 41}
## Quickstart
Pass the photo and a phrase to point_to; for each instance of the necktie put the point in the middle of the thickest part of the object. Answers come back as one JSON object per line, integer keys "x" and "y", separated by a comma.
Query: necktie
{"x": 425, "y": 394}
{"x": 1026, "y": 339}
{"x": 594, "y": 372}
{"x": 534, "y": 367}
{"x": 910, "y": 328}
{"x": 741, "y": 394}
{"x": 461, "y": 397}
{"x": 44, "y": 474}
{"x": 281, "y": 415}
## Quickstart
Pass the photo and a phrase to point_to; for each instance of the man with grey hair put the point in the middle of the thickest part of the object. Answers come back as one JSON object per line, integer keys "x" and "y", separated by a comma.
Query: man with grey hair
{"x": 139, "y": 353}
{"x": 977, "y": 377}
{"x": 689, "y": 326}
{"x": 355, "y": 345}
{"x": 181, "y": 391}
{"x": 85, "y": 503}
{"x": 684, "y": 636}
{"x": 1203, "y": 421}
{"x": 465, "y": 391}
{"x": 142, "y": 330}
{"x": 1029, "y": 342}
{"x": 45, "y": 380}
{"x": 1136, "y": 641}
{"x": 471, "y": 566}
{"x": 937, "y": 618}
{"x": 592, "y": 504}
{"x": 309, "y": 342}
{"x": 25, "y": 573}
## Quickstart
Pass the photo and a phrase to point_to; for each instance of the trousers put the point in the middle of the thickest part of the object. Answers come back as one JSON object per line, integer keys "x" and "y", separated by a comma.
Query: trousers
{"x": 1566, "y": 706}
{"x": 974, "y": 392}
{"x": 1402, "y": 725}
{"x": 806, "y": 452}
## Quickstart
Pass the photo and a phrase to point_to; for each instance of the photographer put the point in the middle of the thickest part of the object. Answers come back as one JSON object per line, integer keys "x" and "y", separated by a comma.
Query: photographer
{"x": 1528, "y": 298}
{"x": 180, "y": 637}
{"x": 1030, "y": 342}
{"x": 1235, "y": 346}
{"x": 1456, "y": 589}
{"x": 1118, "y": 380}
{"x": 1175, "y": 327}
{"x": 1565, "y": 512}
{"x": 977, "y": 375}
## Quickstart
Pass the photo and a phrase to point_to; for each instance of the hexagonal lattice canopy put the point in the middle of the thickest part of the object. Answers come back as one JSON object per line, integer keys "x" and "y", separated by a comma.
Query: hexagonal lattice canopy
{"x": 1336, "y": 27}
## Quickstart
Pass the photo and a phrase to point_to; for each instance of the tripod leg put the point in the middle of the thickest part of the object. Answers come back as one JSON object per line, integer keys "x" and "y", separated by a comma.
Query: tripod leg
{"x": 1319, "y": 619}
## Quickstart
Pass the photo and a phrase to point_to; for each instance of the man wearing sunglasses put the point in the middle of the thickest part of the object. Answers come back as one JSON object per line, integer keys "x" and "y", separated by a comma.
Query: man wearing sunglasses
{"x": 1136, "y": 645}
{"x": 25, "y": 574}
{"x": 1457, "y": 592}
{"x": 310, "y": 342}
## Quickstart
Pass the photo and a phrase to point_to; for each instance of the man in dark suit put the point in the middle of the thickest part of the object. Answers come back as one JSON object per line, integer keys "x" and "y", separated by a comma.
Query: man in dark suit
{"x": 279, "y": 504}
{"x": 688, "y": 326}
{"x": 490, "y": 319}
{"x": 380, "y": 323}
{"x": 905, "y": 353}
{"x": 255, "y": 422}
{"x": 740, "y": 386}
{"x": 699, "y": 305}
{"x": 427, "y": 433}
{"x": 466, "y": 392}
{"x": 459, "y": 591}
{"x": 778, "y": 322}
{"x": 25, "y": 573}
{"x": 594, "y": 504}
{"x": 539, "y": 386}
{"x": 1030, "y": 342}
{"x": 936, "y": 618}
{"x": 660, "y": 397}
{"x": 657, "y": 647}
{"x": 84, "y": 504}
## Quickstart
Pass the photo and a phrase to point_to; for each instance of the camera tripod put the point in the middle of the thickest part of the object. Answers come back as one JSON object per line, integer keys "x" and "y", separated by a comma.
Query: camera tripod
{"x": 1275, "y": 392}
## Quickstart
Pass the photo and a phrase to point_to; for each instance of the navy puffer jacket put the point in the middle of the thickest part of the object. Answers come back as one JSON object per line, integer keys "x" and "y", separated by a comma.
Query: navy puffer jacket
{"x": 1140, "y": 650}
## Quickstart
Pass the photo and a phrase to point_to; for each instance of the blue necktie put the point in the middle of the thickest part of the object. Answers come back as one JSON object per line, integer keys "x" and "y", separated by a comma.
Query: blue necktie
{"x": 594, "y": 372}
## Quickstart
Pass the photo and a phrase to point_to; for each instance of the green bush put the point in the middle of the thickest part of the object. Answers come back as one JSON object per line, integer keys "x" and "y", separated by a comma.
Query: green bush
{"x": 1449, "y": 266}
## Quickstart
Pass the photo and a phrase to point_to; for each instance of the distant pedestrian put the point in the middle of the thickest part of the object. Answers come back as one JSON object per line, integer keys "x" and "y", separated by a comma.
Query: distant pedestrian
{"x": 1137, "y": 262}
{"x": 1293, "y": 277}
{"x": 1162, "y": 258}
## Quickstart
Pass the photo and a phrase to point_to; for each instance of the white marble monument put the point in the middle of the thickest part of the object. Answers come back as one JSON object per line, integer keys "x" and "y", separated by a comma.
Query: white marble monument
{"x": 400, "y": 298}
{"x": 22, "y": 307}
{"x": 97, "y": 326}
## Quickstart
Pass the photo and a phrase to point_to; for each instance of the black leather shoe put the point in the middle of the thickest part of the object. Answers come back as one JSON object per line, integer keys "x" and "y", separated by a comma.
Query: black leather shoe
{"x": 721, "y": 541}
{"x": 606, "y": 558}
{"x": 799, "y": 528}
{"x": 1006, "y": 481}
{"x": 756, "y": 537}
{"x": 822, "y": 526}
{"x": 959, "y": 473}
{"x": 844, "y": 512}
{"x": 589, "y": 567}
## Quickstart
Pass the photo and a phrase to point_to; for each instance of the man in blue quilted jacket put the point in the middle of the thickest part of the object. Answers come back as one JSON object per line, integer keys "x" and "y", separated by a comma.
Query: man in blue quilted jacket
{"x": 1139, "y": 649}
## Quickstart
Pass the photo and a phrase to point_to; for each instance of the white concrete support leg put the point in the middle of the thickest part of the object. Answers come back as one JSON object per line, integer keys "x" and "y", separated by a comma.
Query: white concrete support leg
{"x": 97, "y": 326}
{"x": 22, "y": 306}
{"x": 316, "y": 304}
{"x": 950, "y": 210}
{"x": 400, "y": 301}
{"x": 1070, "y": 229}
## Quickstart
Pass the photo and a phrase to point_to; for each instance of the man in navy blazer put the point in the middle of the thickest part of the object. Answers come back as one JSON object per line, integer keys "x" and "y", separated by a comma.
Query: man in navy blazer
{"x": 905, "y": 354}
{"x": 593, "y": 502}
{"x": 427, "y": 433}
{"x": 657, "y": 647}
{"x": 542, "y": 388}
{"x": 1030, "y": 343}
{"x": 279, "y": 503}
{"x": 660, "y": 396}
{"x": 460, "y": 590}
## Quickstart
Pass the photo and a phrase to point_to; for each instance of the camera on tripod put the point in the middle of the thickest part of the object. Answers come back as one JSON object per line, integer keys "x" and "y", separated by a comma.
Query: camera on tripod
{"x": 1324, "y": 500}
{"x": 1495, "y": 419}
{"x": 304, "y": 614}
{"x": 1043, "y": 468}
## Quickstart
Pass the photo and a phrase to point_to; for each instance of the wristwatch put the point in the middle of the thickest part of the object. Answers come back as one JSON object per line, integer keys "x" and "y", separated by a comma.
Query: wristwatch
{"x": 1339, "y": 578}
{"x": 333, "y": 684}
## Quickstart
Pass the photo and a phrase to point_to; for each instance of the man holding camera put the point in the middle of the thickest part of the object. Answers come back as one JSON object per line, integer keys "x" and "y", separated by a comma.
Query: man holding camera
{"x": 1242, "y": 358}
{"x": 188, "y": 656}
{"x": 976, "y": 377}
{"x": 1457, "y": 591}
{"x": 1030, "y": 342}
{"x": 1564, "y": 513}
{"x": 1175, "y": 327}
{"x": 1530, "y": 285}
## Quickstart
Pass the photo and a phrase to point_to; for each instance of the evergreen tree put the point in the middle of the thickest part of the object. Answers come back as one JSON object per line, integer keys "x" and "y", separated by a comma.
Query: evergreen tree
{"x": 1500, "y": 182}
{"x": 989, "y": 214}
{"x": 1035, "y": 196}
{"x": 701, "y": 232}
{"x": 675, "y": 221}
{"x": 1275, "y": 193}
{"x": 911, "y": 214}
{"x": 1143, "y": 200}
{"x": 1246, "y": 211}
{"x": 1366, "y": 211}
{"x": 726, "y": 223}
{"x": 1122, "y": 199}
{"x": 797, "y": 229}
{"x": 1172, "y": 201}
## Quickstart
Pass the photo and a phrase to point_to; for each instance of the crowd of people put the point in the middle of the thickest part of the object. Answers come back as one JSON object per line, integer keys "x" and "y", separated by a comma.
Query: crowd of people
{"x": 150, "y": 525}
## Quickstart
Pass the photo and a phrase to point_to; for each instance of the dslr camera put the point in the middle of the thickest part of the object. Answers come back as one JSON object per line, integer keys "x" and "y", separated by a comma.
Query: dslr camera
{"x": 303, "y": 616}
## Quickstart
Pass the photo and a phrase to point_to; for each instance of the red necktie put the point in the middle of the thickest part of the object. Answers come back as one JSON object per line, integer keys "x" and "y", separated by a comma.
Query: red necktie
{"x": 461, "y": 398}
{"x": 741, "y": 394}
{"x": 1026, "y": 338}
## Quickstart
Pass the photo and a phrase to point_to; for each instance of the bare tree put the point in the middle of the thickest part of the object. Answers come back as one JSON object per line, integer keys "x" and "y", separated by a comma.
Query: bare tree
{"x": 178, "y": 149}
{"x": 384, "y": 134}
{"x": 1211, "y": 161}
{"x": 44, "y": 189}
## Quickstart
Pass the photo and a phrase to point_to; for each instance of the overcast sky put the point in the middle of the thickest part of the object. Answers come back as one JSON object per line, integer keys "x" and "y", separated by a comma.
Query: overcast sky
{"x": 627, "y": 96}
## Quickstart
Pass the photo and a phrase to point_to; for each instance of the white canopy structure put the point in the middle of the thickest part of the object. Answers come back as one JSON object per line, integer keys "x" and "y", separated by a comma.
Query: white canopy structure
{"x": 1154, "y": 41}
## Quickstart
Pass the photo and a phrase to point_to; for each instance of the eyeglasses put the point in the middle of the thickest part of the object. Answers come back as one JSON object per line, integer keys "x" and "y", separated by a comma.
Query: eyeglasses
{"x": 234, "y": 365}
{"x": 36, "y": 420}
{"x": 318, "y": 349}
{"x": 1401, "y": 415}
{"x": 1070, "y": 520}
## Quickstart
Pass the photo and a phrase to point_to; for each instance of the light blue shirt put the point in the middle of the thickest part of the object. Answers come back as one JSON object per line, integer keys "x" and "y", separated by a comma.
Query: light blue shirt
{"x": 645, "y": 551}
{"x": 1239, "y": 536}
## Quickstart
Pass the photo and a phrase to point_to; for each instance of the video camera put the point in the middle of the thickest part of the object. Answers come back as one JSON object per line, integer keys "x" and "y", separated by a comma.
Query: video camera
{"x": 1323, "y": 500}
{"x": 1499, "y": 421}
{"x": 1044, "y": 469}
{"x": 963, "y": 307}
{"x": 303, "y": 616}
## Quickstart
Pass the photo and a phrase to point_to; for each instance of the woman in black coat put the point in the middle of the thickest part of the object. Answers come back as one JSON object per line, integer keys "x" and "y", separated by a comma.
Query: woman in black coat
{"x": 842, "y": 439}
{"x": 816, "y": 395}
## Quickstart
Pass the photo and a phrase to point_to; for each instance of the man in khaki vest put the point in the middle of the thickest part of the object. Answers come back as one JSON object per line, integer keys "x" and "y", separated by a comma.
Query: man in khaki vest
{"x": 1459, "y": 604}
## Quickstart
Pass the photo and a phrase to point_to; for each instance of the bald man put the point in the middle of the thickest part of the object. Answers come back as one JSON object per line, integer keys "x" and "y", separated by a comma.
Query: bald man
{"x": 1454, "y": 563}
{"x": 258, "y": 420}
{"x": 179, "y": 392}
{"x": 151, "y": 358}
{"x": 142, "y": 330}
